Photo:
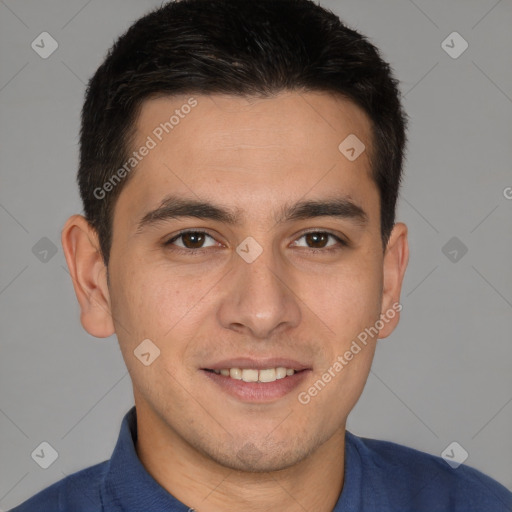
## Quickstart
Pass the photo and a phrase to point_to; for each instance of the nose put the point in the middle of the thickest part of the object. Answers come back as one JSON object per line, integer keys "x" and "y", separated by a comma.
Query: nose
{"x": 260, "y": 299}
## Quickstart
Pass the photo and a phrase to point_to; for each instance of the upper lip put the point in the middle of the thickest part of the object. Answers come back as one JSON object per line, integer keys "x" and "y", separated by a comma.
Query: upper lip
{"x": 258, "y": 364}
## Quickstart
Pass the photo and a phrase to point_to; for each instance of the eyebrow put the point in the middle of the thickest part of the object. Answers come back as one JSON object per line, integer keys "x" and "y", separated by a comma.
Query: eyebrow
{"x": 174, "y": 207}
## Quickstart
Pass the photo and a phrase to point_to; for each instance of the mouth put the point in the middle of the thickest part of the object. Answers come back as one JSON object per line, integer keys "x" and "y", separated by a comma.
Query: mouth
{"x": 255, "y": 375}
{"x": 257, "y": 382}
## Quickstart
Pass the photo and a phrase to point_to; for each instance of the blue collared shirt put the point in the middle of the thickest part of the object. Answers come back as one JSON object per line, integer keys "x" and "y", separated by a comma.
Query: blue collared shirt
{"x": 379, "y": 477}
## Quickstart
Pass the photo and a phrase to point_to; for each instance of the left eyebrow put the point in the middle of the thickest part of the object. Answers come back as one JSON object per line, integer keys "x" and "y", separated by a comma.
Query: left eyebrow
{"x": 173, "y": 207}
{"x": 340, "y": 207}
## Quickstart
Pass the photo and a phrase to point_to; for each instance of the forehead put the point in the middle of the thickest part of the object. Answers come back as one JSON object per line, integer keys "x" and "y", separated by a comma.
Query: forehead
{"x": 248, "y": 151}
{"x": 286, "y": 121}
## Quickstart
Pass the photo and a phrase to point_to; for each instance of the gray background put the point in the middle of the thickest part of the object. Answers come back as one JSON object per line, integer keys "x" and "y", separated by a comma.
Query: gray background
{"x": 444, "y": 375}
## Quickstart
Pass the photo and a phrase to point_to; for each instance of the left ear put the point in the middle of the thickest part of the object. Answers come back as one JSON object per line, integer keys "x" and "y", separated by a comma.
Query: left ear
{"x": 395, "y": 262}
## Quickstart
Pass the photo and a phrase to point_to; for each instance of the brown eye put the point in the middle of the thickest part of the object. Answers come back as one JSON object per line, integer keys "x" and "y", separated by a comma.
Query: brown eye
{"x": 193, "y": 240}
{"x": 190, "y": 240}
{"x": 317, "y": 240}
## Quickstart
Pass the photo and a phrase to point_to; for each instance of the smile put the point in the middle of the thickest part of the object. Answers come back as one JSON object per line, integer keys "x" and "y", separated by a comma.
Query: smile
{"x": 255, "y": 375}
{"x": 251, "y": 385}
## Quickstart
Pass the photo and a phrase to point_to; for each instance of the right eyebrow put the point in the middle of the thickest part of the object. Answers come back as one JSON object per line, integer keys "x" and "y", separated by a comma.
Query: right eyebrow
{"x": 173, "y": 207}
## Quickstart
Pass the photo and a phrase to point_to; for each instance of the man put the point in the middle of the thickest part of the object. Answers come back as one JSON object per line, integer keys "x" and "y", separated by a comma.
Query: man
{"x": 240, "y": 166}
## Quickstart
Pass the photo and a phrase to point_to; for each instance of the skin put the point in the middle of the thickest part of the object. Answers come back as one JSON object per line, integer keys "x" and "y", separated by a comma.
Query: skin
{"x": 254, "y": 155}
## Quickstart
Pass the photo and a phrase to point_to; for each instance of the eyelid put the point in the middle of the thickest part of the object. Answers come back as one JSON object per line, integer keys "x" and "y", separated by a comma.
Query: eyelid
{"x": 173, "y": 238}
{"x": 340, "y": 239}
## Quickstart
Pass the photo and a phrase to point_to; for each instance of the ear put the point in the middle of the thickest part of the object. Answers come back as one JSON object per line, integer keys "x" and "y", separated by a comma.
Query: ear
{"x": 89, "y": 274}
{"x": 395, "y": 262}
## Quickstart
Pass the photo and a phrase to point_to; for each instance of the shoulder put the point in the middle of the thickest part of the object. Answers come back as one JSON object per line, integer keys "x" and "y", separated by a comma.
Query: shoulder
{"x": 414, "y": 480}
{"x": 80, "y": 491}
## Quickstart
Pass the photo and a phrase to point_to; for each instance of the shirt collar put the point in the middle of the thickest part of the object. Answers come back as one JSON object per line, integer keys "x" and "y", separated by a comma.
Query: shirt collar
{"x": 128, "y": 485}
{"x": 364, "y": 487}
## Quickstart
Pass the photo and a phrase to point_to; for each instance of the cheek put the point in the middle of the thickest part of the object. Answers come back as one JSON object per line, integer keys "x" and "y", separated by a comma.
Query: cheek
{"x": 147, "y": 304}
{"x": 155, "y": 302}
{"x": 347, "y": 299}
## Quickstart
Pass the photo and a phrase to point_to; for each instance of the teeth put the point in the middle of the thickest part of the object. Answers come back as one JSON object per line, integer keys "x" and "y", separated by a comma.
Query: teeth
{"x": 250, "y": 375}
{"x": 253, "y": 375}
{"x": 235, "y": 373}
{"x": 280, "y": 373}
{"x": 267, "y": 375}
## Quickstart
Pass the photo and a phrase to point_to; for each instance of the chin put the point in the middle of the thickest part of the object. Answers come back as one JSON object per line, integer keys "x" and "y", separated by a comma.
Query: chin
{"x": 250, "y": 460}
{"x": 262, "y": 456}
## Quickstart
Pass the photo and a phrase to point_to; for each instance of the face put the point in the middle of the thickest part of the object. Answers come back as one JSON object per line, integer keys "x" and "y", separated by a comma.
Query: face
{"x": 281, "y": 268}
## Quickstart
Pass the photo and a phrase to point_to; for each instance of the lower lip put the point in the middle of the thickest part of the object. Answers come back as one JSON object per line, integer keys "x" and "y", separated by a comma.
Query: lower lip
{"x": 258, "y": 392}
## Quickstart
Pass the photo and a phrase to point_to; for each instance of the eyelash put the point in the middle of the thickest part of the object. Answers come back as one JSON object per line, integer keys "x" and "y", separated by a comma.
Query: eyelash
{"x": 328, "y": 250}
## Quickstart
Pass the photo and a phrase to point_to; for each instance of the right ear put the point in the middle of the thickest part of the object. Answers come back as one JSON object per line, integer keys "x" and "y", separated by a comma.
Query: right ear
{"x": 89, "y": 274}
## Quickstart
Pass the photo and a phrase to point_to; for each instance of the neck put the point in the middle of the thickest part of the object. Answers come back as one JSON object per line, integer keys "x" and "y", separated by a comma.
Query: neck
{"x": 315, "y": 483}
